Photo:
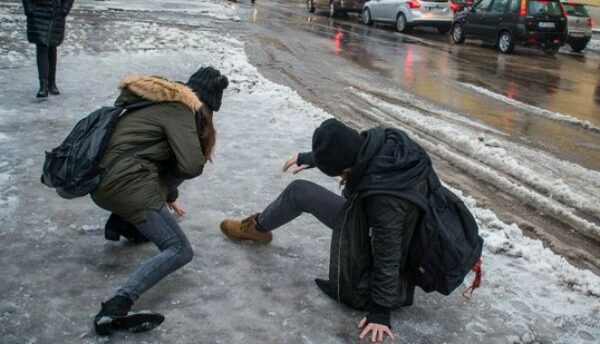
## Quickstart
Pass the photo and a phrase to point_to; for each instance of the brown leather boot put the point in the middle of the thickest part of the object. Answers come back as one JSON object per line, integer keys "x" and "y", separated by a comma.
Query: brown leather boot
{"x": 245, "y": 230}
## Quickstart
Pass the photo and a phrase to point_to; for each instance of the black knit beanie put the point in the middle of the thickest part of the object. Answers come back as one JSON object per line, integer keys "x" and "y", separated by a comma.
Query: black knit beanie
{"x": 335, "y": 147}
{"x": 208, "y": 84}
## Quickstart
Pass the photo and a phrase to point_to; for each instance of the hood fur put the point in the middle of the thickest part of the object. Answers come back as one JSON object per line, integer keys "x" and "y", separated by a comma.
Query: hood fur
{"x": 161, "y": 90}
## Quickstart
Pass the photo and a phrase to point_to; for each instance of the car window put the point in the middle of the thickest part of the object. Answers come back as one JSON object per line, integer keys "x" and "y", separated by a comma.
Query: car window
{"x": 549, "y": 7}
{"x": 482, "y": 6}
{"x": 499, "y": 6}
{"x": 515, "y": 5}
{"x": 575, "y": 10}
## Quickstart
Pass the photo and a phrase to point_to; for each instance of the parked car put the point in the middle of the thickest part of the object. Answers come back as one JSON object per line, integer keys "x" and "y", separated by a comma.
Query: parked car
{"x": 505, "y": 23}
{"x": 580, "y": 26}
{"x": 335, "y": 7}
{"x": 406, "y": 14}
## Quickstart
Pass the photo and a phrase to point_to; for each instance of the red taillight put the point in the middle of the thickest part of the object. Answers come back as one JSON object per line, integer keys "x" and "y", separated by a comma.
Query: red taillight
{"x": 523, "y": 11}
{"x": 414, "y": 4}
{"x": 454, "y": 6}
{"x": 590, "y": 22}
{"x": 564, "y": 12}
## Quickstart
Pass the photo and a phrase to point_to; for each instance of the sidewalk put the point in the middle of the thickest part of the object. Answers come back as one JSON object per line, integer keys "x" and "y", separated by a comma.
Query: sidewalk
{"x": 57, "y": 267}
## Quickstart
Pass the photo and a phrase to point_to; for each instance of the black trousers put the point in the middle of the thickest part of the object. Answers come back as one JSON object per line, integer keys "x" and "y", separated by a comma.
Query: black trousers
{"x": 46, "y": 63}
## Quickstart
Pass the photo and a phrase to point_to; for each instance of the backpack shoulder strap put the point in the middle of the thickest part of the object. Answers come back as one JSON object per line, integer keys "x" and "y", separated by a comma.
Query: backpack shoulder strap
{"x": 139, "y": 105}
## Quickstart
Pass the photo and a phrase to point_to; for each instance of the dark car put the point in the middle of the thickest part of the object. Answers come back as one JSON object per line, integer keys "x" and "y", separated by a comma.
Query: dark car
{"x": 505, "y": 23}
{"x": 335, "y": 7}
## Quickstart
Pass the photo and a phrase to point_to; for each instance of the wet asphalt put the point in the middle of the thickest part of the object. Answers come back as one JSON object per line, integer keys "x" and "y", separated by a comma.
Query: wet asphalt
{"x": 321, "y": 57}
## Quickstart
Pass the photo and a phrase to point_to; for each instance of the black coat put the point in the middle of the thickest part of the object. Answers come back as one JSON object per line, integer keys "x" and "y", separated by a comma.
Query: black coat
{"x": 369, "y": 254}
{"x": 46, "y": 20}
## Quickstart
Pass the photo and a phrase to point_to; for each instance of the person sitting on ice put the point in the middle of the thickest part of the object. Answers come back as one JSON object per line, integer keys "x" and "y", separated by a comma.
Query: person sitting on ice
{"x": 378, "y": 167}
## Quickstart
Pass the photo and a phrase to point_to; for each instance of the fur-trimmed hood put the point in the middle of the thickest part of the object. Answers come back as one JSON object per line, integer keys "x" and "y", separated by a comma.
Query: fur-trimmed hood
{"x": 158, "y": 89}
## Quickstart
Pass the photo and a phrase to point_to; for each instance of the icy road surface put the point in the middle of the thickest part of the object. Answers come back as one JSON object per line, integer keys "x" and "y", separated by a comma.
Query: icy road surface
{"x": 57, "y": 268}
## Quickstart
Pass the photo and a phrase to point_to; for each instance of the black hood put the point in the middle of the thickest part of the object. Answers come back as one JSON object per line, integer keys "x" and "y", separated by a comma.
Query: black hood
{"x": 388, "y": 161}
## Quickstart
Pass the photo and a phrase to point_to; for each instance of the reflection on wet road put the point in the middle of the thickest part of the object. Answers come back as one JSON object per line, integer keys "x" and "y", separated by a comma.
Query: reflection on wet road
{"x": 552, "y": 103}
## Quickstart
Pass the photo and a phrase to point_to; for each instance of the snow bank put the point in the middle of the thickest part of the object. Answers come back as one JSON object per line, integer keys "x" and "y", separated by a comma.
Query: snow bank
{"x": 549, "y": 184}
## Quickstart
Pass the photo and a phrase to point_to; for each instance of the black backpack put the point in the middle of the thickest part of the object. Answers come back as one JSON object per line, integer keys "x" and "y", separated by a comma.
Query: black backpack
{"x": 447, "y": 244}
{"x": 73, "y": 168}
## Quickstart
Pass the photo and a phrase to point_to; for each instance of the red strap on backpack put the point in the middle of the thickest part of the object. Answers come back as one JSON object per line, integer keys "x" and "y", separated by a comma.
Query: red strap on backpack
{"x": 468, "y": 294}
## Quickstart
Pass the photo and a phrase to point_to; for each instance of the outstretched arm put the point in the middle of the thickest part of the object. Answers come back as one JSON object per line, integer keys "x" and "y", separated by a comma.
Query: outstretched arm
{"x": 302, "y": 160}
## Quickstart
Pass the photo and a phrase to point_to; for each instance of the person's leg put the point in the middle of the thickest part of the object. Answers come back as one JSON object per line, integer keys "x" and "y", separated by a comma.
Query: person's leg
{"x": 43, "y": 65}
{"x": 302, "y": 196}
{"x": 299, "y": 197}
{"x": 162, "y": 229}
{"x": 52, "y": 60}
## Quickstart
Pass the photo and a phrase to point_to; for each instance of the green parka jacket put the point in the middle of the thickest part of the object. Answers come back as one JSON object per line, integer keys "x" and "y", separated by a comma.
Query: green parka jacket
{"x": 134, "y": 184}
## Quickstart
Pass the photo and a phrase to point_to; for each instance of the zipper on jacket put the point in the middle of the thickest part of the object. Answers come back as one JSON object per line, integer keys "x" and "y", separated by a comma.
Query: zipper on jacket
{"x": 340, "y": 248}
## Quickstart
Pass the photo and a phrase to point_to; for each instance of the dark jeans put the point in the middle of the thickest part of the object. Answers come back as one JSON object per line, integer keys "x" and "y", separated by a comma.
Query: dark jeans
{"x": 302, "y": 196}
{"x": 162, "y": 229}
{"x": 46, "y": 63}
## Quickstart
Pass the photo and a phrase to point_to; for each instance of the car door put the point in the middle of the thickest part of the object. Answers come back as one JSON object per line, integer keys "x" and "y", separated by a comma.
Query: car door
{"x": 385, "y": 9}
{"x": 376, "y": 9}
{"x": 392, "y": 8}
{"x": 474, "y": 20}
{"x": 493, "y": 20}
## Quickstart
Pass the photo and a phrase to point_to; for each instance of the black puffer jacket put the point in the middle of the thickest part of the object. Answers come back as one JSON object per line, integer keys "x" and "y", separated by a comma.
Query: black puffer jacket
{"x": 368, "y": 265}
{"x": 46, "y": 20}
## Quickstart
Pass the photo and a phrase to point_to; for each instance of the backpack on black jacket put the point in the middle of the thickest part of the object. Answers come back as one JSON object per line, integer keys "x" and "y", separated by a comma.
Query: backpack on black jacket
{"x": 73, "y": 168}
{"x": 447, "y": 245}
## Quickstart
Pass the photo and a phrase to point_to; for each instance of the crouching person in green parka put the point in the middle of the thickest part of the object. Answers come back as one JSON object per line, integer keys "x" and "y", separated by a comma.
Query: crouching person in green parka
{"x": 177, "y": 129}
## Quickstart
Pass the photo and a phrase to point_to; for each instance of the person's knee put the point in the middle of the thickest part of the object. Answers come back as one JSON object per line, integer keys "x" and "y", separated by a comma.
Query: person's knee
{"x": 297, "y": 187}
{"x": 185, "y": 254}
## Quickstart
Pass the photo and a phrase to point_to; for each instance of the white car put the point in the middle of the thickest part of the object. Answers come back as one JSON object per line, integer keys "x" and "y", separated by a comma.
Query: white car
{"x": 406, "y": 14}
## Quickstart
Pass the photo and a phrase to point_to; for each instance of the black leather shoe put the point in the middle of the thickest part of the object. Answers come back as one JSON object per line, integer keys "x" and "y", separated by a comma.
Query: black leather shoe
{"x": 53, "y": 89}
{"x": 43, "y": 92}
{"x": 116, "y": 227}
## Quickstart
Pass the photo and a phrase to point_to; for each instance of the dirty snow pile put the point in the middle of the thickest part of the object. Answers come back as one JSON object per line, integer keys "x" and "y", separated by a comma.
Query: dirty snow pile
{"x": 529, "y": 293}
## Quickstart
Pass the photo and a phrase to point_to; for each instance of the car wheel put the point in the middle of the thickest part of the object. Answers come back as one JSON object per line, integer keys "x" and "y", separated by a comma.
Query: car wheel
{"x": 401, "y": 24}
{"x": 311, "y": 6}
{"x": 333, "y": 12}
{"x": 458, "y": 33}
{"x": 506, "y": 43}
{"x": 366, "y": 17}
{"x": 578, "y": 47}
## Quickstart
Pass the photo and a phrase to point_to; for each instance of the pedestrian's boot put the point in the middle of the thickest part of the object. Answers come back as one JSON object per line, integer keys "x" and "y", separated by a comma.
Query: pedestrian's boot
{"x": 52, "y": 88}
{"x": 246, "y": 229}
{"x": 116, "y": 227}
{"x": 115, "y": 316}
{"x": 43, "y": 92}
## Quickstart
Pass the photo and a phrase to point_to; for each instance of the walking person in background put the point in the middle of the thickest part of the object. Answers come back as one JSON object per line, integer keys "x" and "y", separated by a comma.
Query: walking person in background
{"x": 171, "y": 131}
{"x": 46, "y": 29}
